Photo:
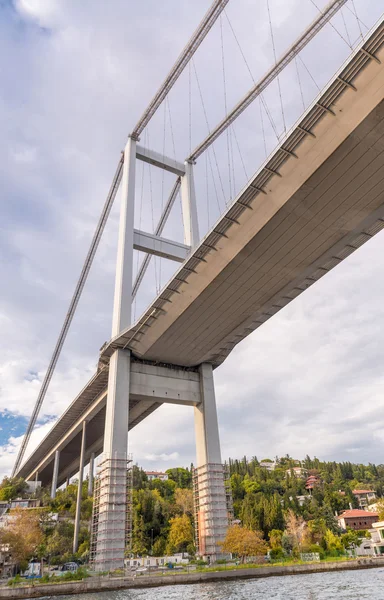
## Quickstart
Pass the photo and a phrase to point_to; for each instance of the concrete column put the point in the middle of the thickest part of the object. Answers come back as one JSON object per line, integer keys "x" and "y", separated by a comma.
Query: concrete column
{"x": 55, "y": 474}
{"x": 113, "y": 467}
{"x": 206, "y": 425}
{"x": 79, "y": 489}
{"x": 36, "y": 480}
{"x": 91, "y": 474}
{"x": 124, "y": 265}
{"x": 211, "y": 502}
{"x": 189, "y": 208}
{"x": 67, "y": 481}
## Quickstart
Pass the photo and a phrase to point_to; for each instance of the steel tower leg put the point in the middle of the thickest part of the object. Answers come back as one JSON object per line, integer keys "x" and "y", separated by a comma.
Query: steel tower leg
{"x": 111, "y": 531}
{"x": 210, "y": 499}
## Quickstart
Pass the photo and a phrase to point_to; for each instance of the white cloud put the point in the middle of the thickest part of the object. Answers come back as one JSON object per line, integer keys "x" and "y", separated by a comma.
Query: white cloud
{"x": 163, "y": 457}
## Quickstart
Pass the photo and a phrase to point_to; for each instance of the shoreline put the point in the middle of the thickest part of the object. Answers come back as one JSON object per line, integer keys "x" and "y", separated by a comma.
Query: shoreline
{"x": 110, "y": 584}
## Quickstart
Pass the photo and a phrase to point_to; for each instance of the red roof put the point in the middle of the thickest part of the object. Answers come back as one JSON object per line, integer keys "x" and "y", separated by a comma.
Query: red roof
{"x": 362, "y": 491}
{"x": 351, "y": 514}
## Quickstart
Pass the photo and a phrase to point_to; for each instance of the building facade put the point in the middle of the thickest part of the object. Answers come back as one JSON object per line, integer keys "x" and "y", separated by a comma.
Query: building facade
{"x": 364, "y": 497}
{"x": 357, "y": 519}
{"x": 156, "y": 475}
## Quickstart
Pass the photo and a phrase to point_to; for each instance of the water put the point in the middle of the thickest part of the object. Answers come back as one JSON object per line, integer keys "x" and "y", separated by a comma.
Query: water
{"x": 346, "y": 585}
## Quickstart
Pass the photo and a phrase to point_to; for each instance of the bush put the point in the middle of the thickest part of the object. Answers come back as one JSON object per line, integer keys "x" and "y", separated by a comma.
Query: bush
{"x": 15, "y": 581}
{"x": 277, "y": 554}
{"x": 81, "y": 573}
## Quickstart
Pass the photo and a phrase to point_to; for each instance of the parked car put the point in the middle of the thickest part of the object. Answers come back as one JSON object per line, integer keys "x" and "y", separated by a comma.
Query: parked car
{"x": 70, "y": 566}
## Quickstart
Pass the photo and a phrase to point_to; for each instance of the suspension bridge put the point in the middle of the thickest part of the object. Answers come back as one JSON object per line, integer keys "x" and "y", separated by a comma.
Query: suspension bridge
{"x": 316, "y": 199}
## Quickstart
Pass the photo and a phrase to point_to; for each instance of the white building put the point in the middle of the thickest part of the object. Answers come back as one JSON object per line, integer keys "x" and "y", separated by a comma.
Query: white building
{"x": 156, "y": 475}
{"x": 377, "y": 537}
{"x": 268, "y": 464}
{"x": 157, "y": 561}
{"x": 298, "y": 472}
{"x": 364, "y": 497}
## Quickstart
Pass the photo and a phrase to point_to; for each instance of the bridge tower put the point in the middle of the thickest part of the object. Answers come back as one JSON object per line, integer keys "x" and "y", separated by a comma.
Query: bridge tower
{"x": 109, "y": 542}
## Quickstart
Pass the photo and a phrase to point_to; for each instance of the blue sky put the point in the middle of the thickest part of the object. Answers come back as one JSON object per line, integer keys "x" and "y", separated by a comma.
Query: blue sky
{"x": 75, "y": 78}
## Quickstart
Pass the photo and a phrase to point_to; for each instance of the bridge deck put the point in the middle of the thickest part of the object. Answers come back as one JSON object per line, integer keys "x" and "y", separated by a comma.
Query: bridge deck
{"x": 317, "y": 199}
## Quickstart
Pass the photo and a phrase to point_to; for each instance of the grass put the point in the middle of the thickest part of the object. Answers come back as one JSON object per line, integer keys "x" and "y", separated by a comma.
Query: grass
{"x": 78, "y": 575}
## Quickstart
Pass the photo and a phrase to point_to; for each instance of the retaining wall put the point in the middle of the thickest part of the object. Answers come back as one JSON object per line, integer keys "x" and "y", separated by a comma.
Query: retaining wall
{"x": 96, "y": 584}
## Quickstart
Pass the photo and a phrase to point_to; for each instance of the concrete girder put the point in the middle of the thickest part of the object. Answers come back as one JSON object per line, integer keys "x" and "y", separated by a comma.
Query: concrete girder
{"x": 158, "y": 246}
{"x": 150, "y": 386}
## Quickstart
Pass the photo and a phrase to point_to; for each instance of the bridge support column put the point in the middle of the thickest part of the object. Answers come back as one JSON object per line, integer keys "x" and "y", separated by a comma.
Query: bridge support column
{"x": 189, "y": 208}
{"x": 55, "y": 474}
{"x": 91, "y": 474}
{"x": 111, "y": 522}
{"x": 210, "y": 497}
{"x": 110, "y": 537}
{"x": 79, "y": 490}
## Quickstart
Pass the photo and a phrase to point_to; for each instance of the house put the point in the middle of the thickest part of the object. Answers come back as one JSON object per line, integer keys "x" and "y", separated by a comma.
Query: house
{"x": 377, "y": 537}
{"x": 25, "y": 503}
{"x": 157, "y": 561}
{"x": 156, "y": 475}
{"x": 364, "y": 497}
{"x": 366, "y": 548}
{"x": 356, "y": 519}
{"x": 312, "y": 481}
{"x": 302, "y": 499}
{"x": 297, "y": 471}
{"x": 268, "y": 464}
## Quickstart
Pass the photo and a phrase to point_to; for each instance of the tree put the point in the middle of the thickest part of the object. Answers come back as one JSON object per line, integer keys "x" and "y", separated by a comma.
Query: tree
{"x": 275, "y": 537}
{"x": 351, "y": 539}
{"x": 182, "y": 477}
{"x": 12, "y": 487}
{"x": 60, "y": 542}
{"x": 296, "y": 529}
{"x": 237, "y": 487}
{"x": 333, "y": 543}
{"x": 23, "y": 535}
{"x": 139, "y": 540}
{"x": 380, "y": 509}
{"x": 180, "y": 534}
{"x": 159, "y": 546}
{"x": 244, "y": 542}
{"x": 184, "y": 500}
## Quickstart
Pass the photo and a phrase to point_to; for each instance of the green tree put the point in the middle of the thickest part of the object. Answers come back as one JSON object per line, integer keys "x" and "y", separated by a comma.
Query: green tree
{"x": 333, "y": 543}
{"x": 12, "y": 487}
{"x": 159, "y": 547}
{"x": 275, "y": 537}
{"x": 139, "y": 538}
{"x": 182, "y": 477}
{"x": 60, "y": 541}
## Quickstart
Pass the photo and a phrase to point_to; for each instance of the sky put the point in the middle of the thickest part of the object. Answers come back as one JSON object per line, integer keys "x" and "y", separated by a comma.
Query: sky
{"x": 76, "y": 77}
